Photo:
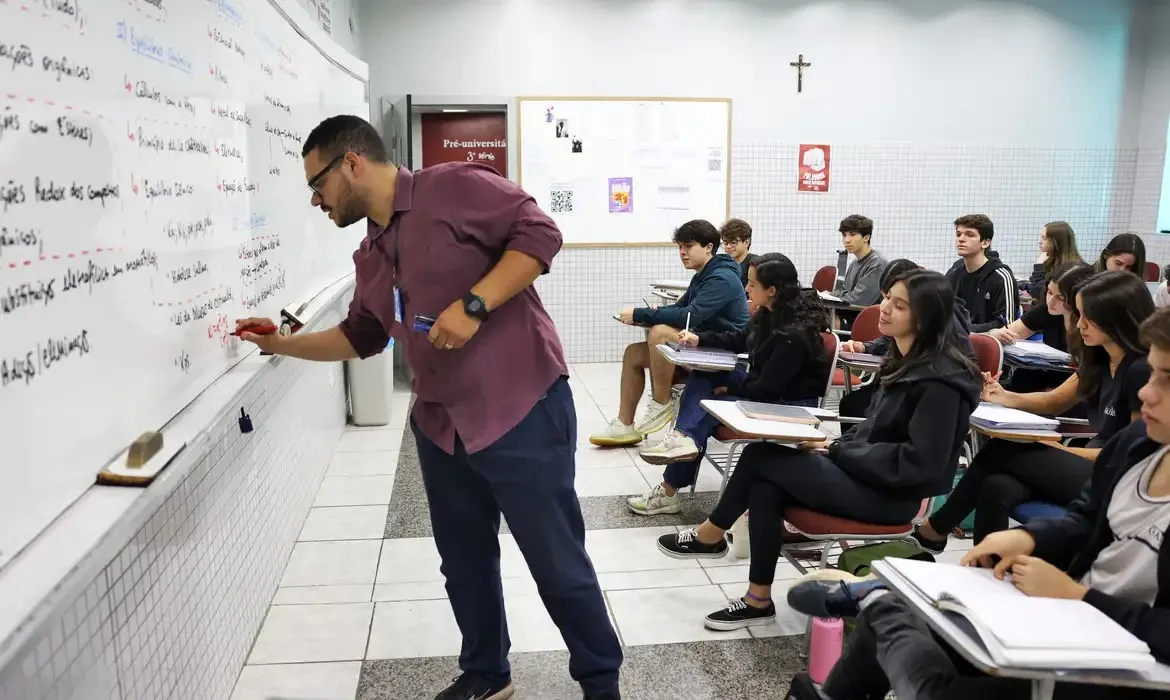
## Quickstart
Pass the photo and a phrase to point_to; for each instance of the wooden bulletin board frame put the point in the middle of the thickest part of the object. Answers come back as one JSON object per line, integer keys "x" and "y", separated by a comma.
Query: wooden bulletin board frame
{"x": 552, "y": 98}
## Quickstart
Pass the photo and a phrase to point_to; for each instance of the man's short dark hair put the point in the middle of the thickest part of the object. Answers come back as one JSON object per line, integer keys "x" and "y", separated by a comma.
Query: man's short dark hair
{"x": 735, "y": 230}
{"x": 856, "y": 223}
{"x": 343, "y": 134}
{"x": 1155, "y": 330}
{"x": 698, "y": 231}
{"x": 979, "y": 222}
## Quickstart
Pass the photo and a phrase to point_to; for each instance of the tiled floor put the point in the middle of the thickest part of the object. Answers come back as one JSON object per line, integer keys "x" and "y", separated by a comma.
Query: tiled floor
{"x": 361, "y": 611}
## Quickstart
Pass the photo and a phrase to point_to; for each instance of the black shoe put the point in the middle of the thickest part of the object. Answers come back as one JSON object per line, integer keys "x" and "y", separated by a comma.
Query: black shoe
{"x": 935, "y": 547}
{"x": 802, "y": 688}
{"x": 738, "y": 614}
{"x": 614, "y": 694}
{"x": 467, "y": 687}
{"x": 686, "y": 545}
{"x": 831, "y": 599}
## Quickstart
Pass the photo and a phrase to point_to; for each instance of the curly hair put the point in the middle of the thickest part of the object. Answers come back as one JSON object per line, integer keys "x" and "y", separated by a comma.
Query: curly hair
{"x": 794, "y": 308}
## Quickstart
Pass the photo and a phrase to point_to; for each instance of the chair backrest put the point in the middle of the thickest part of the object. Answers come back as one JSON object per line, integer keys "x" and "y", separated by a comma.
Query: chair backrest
{"x": 825, "y": 279}
{"x": 988, "y": 353}
{"x": 833, "y": 350}
{"x": 1153, "y": 273}
{"x": 865, "y": 326}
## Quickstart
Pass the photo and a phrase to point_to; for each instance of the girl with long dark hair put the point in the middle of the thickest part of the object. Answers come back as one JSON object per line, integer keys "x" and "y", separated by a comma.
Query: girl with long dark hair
{"x": 906, "y": 450}
{"x": 787, "y": 364}
{"x": 1125, "y": 251}
{"x": 1058, "y": 246}
{"x": 1111, "y": 368}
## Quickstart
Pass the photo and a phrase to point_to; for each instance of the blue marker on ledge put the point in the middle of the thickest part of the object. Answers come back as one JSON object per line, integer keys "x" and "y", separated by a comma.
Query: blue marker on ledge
{"x": 423, "y": 324}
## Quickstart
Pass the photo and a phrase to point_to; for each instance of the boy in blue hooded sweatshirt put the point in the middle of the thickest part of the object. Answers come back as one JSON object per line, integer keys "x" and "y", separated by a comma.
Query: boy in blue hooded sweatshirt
{"x": 714, "y": 301}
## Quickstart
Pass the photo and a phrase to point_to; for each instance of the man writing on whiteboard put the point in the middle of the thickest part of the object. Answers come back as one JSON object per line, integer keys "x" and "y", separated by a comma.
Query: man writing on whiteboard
{"x": 493, "y": 416}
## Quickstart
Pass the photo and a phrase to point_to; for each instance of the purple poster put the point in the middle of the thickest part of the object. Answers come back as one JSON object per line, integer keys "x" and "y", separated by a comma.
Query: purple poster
{"x": 621, "y": 195}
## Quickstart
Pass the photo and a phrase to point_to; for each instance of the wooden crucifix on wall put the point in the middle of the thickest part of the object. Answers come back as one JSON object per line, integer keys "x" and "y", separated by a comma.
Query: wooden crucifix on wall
{"x": 799, "y": 64}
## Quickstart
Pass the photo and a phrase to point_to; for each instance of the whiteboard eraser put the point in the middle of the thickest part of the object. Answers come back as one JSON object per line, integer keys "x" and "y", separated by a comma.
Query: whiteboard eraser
{"x": 143, "y": 448}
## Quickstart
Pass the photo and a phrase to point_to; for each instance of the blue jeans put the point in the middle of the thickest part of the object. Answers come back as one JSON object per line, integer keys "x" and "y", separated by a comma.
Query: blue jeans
{"x": 699, "y": 425}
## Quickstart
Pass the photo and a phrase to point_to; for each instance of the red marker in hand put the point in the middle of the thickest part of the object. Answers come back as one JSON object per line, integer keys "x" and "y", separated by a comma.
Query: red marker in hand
{"x": 258, "y": 330}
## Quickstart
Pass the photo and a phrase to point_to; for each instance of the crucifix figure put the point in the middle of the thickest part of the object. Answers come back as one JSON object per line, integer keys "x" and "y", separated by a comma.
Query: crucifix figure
{"x": 799, "y": 64}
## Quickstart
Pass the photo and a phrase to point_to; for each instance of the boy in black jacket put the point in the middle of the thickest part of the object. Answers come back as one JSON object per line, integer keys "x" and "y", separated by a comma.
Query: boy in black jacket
{"x": 1107, "y": 550}
{"x": 986, "y": 285}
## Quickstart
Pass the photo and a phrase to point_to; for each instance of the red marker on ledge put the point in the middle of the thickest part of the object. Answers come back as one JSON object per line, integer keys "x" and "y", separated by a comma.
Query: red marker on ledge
{"x": 258, "y": 330}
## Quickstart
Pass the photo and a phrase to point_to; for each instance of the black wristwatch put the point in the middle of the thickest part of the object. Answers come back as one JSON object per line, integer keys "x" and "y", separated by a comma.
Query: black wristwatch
{"x": 474, "y": 306}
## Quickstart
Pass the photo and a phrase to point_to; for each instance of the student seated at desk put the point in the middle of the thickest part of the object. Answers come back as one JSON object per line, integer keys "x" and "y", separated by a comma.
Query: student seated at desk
{"x": 861, "y": 286}
{"x": 855, "y": 404}
{"x": 1058, "y": 246}
{"x": 787, "y": 364}
{"x": 1109, "y": 549}
{"x": 905, "y": 451}
{"x": 1125, "y": 251}
{"x": 1050, "y": 318}
{"x": 986, "y": 286}
{"x": 1111, "y": 369}
{"x": 714, "y": 301}
{"x": 736, "y": 235}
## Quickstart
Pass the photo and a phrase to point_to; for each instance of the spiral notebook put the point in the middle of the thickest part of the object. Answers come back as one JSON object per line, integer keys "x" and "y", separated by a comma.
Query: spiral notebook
{"x": 1019, "y": 631}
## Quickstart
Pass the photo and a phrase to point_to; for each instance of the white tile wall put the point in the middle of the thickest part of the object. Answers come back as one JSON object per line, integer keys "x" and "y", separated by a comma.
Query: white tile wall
{"x": 913, "y": 193}
{"x": 174, "y": 615}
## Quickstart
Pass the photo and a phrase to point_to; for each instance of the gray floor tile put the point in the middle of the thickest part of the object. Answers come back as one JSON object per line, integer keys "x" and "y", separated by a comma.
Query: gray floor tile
{"x": 747, "y": 668}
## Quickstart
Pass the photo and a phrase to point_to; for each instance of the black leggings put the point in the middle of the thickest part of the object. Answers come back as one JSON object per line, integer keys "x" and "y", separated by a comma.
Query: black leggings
{"x": 1005, "y": 474}
{"x": 770, "y": 478}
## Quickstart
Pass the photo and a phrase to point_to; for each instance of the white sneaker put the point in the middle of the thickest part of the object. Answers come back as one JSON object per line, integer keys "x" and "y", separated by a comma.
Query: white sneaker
{"x": 656, "y": 417}
{"x": 616, "y": 434}
{"x": 675, "y": 447}
{"x": 656, "y": 502}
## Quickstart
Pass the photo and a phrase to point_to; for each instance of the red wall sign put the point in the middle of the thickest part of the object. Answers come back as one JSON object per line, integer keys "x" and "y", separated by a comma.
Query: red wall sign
{"x": 473, "y": 137}
{"x": 812, "y": 168}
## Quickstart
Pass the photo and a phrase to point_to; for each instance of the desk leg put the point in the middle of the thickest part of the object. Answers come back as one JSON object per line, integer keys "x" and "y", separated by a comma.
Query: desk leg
{"x": 848, "y": 375}
{"x": 1043, "y": 688}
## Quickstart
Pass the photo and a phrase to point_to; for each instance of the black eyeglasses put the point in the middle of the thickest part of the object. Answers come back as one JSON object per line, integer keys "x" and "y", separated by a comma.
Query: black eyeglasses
{"x": 315, "y": 181}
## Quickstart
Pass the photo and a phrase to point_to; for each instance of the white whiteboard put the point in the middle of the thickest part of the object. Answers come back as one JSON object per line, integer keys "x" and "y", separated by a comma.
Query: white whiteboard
{"x": 625, "y": 170}
{"x": 151, "y": 192}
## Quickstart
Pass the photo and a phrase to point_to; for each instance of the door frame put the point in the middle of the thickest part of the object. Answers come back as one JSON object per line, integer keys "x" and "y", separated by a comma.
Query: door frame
{"x": 472, "y": 103}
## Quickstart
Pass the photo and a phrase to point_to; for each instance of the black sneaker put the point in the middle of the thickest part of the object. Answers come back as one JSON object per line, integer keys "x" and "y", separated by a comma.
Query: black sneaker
{"x": 803, "y": 688}
{"x": 738, "y": 614}
{"x": 686, "y": 545}
{"x": 818, "y": 597}
{"x": 935, "y": 547}
{"x": 467, "y": 687}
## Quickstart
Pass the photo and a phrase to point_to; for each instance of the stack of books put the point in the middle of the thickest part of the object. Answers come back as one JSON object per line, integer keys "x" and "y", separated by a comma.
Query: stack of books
{"x": 991, "y": 417}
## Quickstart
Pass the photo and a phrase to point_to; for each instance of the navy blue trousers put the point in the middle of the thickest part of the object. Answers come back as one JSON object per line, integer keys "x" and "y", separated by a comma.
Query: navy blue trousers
{"x": 528, "y": 475}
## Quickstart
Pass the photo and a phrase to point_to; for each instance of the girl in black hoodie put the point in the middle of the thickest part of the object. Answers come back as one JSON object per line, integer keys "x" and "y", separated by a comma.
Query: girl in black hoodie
{"x": 787, "y": 365}
{"x": 906, "y": 450}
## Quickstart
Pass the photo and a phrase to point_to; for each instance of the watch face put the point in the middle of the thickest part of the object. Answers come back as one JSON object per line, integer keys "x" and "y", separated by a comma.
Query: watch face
{"x": 474, "y": 306}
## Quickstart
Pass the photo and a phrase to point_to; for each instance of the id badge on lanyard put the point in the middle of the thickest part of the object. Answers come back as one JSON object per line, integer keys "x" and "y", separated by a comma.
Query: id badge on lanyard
{"x": 399, "y": 304}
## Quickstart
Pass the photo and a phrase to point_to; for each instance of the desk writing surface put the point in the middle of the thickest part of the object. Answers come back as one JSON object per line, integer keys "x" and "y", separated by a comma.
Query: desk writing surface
{"x": 960, "y": 635}
{"x": 153, "y": 192}
{"x": 730, "y": 415}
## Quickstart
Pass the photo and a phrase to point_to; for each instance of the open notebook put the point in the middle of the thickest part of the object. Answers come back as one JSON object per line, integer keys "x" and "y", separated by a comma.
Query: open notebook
{"x": 1023, "y": 632}
{"x": 1035, "y": 349}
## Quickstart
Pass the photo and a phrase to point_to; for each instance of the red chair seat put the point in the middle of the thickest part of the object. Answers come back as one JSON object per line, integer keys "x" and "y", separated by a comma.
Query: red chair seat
{"x": 813, "y": 523}
{"x": 839, "y": 378}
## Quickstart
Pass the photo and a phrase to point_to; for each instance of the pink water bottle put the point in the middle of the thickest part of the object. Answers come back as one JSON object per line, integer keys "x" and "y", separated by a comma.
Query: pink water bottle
{"x": 825, "y": 647}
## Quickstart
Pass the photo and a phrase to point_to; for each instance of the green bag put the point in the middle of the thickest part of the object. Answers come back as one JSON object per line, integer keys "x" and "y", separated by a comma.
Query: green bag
{"x": 968, "y": 524}
{"x": 857, "y": 560}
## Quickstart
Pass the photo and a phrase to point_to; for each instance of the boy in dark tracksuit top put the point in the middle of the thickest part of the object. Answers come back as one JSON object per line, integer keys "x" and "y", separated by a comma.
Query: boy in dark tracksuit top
{"x": 986, "y": 285}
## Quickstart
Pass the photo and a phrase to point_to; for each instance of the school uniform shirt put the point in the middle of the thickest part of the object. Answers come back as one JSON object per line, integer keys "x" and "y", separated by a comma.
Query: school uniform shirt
{"x": 989, "y": 293}
{"x": 714, "y": 300}
{"x": 450, "y": 226}
{"x": 1111, "y": 407}
{"x": 1129, "y": 565}
{"x": 1075, "y": 541}
{"x": 784, "y": 363}
{"x": 909, "y": 443}
{"x": 862, "y": 283}
{"x": 1038, "y": 320}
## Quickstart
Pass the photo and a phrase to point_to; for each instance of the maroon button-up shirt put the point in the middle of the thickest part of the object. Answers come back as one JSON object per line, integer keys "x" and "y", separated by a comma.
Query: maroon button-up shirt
{"x": 451, "y": 225}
